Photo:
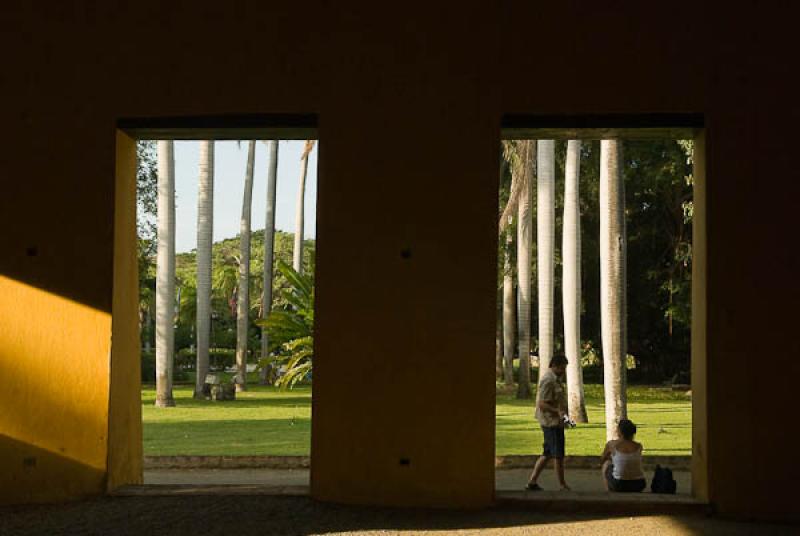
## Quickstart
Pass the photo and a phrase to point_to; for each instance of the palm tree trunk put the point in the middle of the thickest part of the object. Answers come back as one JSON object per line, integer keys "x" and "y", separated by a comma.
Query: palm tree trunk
{"x": 498, "y": 339}
{"x": 205, "y": 231}
{"x": 612, "y": 283}
{"x": 165, "y": 275}
{"x": 571, "y": 283}
{"x": 269, "y": 248}
{"x": 545, "y": 250}
{"x": 508, "y": 314}
{"x": 243, "y": 300}
{"x": 299, "y": 221}
{"x": 524, "y": 246}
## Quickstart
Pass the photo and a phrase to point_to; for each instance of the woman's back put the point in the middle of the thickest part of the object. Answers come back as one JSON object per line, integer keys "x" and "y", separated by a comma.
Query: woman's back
{"x": 626, "y": 456}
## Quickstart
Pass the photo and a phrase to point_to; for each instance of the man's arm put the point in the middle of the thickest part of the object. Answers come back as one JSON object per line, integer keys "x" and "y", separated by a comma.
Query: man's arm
{"x": 552, "y": 408}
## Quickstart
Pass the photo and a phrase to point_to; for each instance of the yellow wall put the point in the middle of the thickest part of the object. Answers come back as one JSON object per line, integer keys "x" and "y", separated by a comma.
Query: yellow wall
{"x": 409, "y": 106}
{"x": 54, "y": 399}
{"x": 125, "y": 409}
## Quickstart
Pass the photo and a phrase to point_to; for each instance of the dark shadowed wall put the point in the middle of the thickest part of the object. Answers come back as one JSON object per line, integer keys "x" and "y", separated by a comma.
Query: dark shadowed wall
{"x": 409, "y": 99}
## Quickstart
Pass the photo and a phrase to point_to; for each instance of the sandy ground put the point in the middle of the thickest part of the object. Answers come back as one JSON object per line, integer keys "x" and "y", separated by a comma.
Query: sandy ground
{"x": 264, "y": 514}
{"x": 245, "y": 515}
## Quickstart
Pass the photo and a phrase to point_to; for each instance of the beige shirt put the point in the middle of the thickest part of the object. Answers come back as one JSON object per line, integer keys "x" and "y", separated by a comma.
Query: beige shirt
{"x": 552, "y": 391}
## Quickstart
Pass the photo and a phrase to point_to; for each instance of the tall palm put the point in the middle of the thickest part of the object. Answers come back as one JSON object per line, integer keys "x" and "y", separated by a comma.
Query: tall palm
{"x": 571, "y": 282}
{"x": 513, "y": 153}
{"x": 165, "y": 274}
{"x": 205, "y": 230}
{"x": 269, "y": 247}
{"x": 524, "y": 246}
{"x": 545, "y": 247}
{"x": 243, "y": 301}
{"x": 297, "y": 260}
{"x": 508, "y": 160}
{"x": 612, "y": 282}
{"x": 508, "y": 313}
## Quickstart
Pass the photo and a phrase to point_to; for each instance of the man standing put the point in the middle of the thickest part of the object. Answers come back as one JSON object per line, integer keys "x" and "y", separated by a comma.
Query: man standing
{"x": 551, "y": 408}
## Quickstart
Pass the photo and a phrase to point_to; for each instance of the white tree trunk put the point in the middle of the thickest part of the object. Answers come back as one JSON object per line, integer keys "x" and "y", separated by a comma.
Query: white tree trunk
{"x": 243, "y": 298}
{"x": 571, "y": 282}
{"x": 545, "y": 247}
{"x": 269, "y": 245}
{"x": 205, "y": 231}
{"x": 299, "y": 222}
{"x": 508, "y": 314}
{"x": 524, "y": 246}
{"x": 165, "y": 274}
{"x": 612, "y": 283}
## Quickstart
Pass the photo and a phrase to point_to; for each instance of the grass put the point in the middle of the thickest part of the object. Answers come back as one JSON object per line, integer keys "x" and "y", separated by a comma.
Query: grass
{"x": 663, "y": 419}
{"x": 264, "y": 420}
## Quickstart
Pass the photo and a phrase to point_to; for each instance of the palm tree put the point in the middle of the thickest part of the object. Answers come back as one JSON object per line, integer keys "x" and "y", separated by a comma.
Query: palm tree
{"x": 508, "y": 158}
{"x": 612, "y": 283}
{"x": 243, "y": 301}
{"x": 165, "y": 274}
{"x": 205, "y": 230}
{"x": 571, "y": 282}
{"x": 545, "y": 250}
{"x": 524, "y": 246}
{"x": 297, "y": 261}
{"x": 508, "y": 313}
{"x": 269, "y": 248}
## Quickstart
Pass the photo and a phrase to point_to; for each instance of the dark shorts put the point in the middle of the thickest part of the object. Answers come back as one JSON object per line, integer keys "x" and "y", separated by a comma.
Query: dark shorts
{"x": 553, "y": 441}
{"x": 623, "y": 486}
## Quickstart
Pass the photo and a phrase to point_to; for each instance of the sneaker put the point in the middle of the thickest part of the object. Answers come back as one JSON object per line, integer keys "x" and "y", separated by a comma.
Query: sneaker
{"x": 533, "y": 487}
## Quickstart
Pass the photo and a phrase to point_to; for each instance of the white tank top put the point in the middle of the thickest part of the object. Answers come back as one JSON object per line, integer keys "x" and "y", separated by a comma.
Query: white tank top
{"x": 627, "y": 465}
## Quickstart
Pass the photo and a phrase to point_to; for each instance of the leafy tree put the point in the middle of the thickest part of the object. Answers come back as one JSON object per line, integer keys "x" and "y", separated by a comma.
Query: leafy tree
{"x": 146, "y": 213}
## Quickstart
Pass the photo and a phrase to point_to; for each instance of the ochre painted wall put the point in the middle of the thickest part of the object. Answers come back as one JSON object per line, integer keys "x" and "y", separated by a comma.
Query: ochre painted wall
{"x": 409, "y": 104}
{"x": 125, "y": 409}
{"x": 54, "y": 400}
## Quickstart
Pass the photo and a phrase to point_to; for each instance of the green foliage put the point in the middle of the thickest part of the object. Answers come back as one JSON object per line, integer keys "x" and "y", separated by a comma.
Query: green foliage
{"x": 148, "y": 369}
{"x": 658, "y": 189}
{"x": 219, "y": 358}
{"x": 225, "y": 258}
{"x": 146, "y": 190}
{"x": 290, "y": 329}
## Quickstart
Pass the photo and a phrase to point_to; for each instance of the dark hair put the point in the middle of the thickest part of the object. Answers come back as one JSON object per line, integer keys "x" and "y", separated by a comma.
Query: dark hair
{"x": 558, "y": 360}
{"x": 627, "y": 428}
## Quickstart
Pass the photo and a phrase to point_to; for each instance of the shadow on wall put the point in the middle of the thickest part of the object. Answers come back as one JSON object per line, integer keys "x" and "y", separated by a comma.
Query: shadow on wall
{"x": 31, "y": 474}
{"x": 53, "y": 404}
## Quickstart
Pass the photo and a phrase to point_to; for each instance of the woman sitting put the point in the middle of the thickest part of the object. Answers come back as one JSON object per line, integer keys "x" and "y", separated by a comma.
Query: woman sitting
{"x": 622, "y": 461}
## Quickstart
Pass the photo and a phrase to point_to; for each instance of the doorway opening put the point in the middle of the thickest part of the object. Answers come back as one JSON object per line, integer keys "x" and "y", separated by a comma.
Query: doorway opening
{"x": 226, "y": 255}
{"x": 601, "y": 260}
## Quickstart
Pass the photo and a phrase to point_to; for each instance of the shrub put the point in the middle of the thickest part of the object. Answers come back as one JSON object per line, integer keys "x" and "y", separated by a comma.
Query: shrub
{"x": 148, "y": 367}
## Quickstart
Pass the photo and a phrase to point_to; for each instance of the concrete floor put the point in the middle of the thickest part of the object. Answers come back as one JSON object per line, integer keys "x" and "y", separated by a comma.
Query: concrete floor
{"x": 580, "y": 480}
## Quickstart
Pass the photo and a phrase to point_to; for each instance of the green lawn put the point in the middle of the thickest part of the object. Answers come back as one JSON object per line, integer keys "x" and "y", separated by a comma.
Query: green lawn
{"x": 663, "y": 419}
{"x": 265, "y": 420}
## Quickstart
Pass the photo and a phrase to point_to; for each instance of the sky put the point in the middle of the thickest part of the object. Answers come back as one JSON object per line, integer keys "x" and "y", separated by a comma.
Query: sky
{"x": 230, "y": 161}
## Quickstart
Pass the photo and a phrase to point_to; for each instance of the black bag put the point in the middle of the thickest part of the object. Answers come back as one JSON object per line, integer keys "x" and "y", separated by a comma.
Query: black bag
{"x": 663, "y": 481}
